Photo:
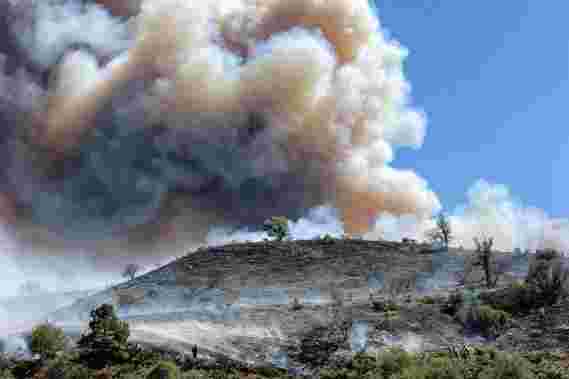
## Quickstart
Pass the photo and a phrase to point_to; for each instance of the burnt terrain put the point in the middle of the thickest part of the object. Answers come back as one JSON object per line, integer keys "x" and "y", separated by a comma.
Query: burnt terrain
{"x": 235, "y": 301}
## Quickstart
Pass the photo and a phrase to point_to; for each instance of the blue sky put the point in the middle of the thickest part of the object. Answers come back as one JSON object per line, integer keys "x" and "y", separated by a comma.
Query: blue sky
{"x": 493, "y": 79}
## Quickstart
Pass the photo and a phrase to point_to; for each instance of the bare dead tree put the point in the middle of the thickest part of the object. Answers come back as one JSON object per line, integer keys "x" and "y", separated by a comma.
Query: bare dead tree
{"x": 30, "y": 288}
{"x": 442, "y": 232}
{"x": 130, "y": 270}
{"x": 484, "y": 251}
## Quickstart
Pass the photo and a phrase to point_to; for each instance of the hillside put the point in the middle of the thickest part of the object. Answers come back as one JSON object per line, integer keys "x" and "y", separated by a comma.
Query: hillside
{"x": 221, "y": 275}
{"x": 234, "y": 300}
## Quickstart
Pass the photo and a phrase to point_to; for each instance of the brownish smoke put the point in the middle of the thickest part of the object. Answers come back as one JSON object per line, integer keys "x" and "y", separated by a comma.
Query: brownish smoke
{"x": 328, "y": 84}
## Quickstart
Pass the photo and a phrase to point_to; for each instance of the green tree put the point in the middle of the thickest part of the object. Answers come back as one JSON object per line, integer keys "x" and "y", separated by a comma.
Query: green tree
{"x": 276, "y": 227}
{"x": 107, "y": 338}
{"x": 46, "y": 340}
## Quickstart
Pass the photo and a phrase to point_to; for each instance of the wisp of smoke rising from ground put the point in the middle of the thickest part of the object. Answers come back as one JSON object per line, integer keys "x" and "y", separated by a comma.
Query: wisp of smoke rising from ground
{"x": 152, "y": 121}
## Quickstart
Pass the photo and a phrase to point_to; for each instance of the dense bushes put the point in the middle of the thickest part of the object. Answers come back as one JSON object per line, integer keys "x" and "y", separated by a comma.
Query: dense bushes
{"x": 485, "y": 320}
{"x": 546, "y": 283}
{"x": 65, "y": 369}
{"x": 482, "y": 363}
{"x": 516, "y": 299}
{"x": 6, "y": 374}
{"x": 395, "y": 363}
{"x": 467, "y": 308}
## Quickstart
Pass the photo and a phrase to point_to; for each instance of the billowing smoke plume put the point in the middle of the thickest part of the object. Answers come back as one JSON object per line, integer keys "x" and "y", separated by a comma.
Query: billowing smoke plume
{"x": 126, "y": 125}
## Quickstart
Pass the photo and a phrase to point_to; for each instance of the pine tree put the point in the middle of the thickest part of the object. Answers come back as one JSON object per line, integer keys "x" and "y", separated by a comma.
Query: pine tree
{"x": 107, "y": 339}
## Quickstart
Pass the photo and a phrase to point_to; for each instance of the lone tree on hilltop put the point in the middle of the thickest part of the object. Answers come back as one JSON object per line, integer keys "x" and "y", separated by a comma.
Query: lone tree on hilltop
{"x": 276, "y": 227}
{"x": 130, "y": 270}
{"x": 30, "y": 288}
{"x": 442, "y": 232}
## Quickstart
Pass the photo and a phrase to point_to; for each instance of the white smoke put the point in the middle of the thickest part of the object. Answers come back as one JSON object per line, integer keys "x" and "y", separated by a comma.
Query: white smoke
{"x": 52, "y": 273}
{"x": 318, "y": 222}
{"x": 47, "y": 27}
{"x": 395, "y": 228}
{"x": 491, "y": 211}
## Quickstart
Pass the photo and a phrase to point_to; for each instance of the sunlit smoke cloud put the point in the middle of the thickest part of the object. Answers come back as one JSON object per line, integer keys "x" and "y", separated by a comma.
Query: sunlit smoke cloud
{"x": 490, "y": 211}
{"x": 46, "y": 28}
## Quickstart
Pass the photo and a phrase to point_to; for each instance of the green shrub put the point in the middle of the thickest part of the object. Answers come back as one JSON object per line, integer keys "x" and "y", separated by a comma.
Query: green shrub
{"x": 394, "y": 361}
{"x": 548, "y": 277}
{"x": 438, "y": 368}
{"x": 23, "y": 369}
{"x": 6, "y": 374}
{"x": 480, "y": 363}
{"x": 338, "y": 373}
{"x": 164, "y": 370}
{"x": 517, "y": 299}
{"x": 383, "y": 305}
{"x": 276, "y": 227}
{"x": 484, "y": 319}
{"x": 327, "y": 238}
{"x": 507, "y": 366}
{"x": 296, "y": 306}
{"x": 546, "y": 283}
{"x": 453, "y": 303}
{"x": 383, "y": 365}
{"x": 426, "y": 300}
{"x": 270, "y": 372}
{"x": 364, "y": 362}
{"x": 546, "y": 365}
{"x": 493, "y": 322}
{"x": 46, "y": 340}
